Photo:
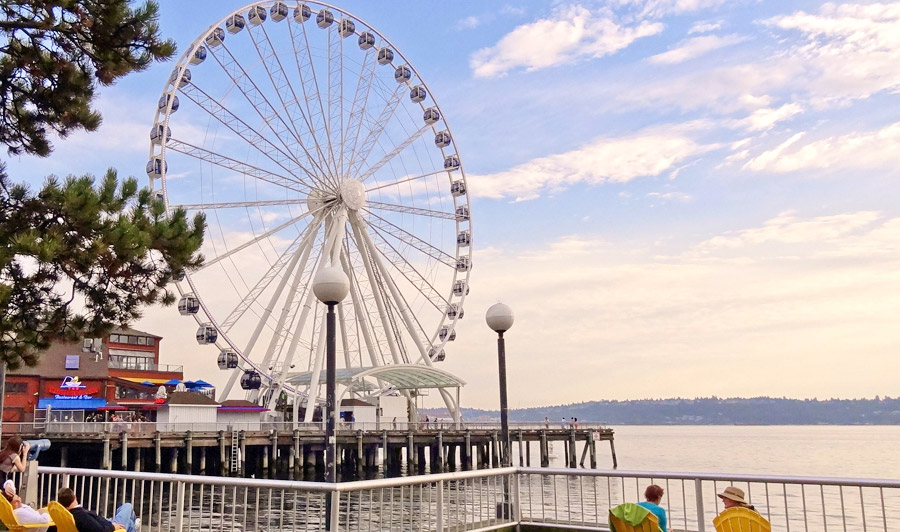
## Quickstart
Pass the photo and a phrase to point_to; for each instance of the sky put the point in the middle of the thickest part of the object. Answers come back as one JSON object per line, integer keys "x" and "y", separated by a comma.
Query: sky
{"x": 676, "y": 197}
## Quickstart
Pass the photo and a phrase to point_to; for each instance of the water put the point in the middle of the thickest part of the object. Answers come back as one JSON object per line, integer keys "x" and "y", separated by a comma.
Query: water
{"x": 833, "y": 451}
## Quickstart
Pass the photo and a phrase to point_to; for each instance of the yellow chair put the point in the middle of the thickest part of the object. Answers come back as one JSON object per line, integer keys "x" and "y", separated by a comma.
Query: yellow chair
{"x": 741, "y": 520}
{"x": 9, "y": 518}
{"x": 649, "y": 524}
{"x": 62, "y": 517}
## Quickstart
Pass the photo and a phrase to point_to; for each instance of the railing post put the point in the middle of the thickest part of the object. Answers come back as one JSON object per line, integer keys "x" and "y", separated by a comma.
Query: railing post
{"x": 179, "y": 507}
{"x": 440, "y": 507}
{"x": 701, "y": 516}
{"x": 335, "y": 496}
{"x": 517, "y": 507}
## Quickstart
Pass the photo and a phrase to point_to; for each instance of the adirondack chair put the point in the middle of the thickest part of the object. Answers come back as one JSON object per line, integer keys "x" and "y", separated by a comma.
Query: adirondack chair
{"x": 741, "y": 520}
{"x": 9, "y": 519}
{"x": 649, "y": 524}
{"x": 62, "y": 517}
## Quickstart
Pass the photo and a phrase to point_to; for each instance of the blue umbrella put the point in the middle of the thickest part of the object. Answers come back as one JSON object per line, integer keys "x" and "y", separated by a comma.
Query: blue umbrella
{"x": 200, "y": 383}
{"x": 172, "y": 382}
{"x": 147, "y": 383}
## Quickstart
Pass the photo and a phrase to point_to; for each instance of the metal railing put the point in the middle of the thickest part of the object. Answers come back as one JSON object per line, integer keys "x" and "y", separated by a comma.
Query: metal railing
{"x": 148, "y": 427}
{"x": 141, "y": 364}
{"x": 476, "y": 500}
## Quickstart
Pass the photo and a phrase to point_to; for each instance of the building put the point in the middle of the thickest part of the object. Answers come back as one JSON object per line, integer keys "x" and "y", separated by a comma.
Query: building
{"x": 77, "y": 380}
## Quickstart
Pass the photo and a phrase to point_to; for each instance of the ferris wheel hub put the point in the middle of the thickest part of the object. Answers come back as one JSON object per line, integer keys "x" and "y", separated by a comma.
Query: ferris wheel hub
{"x": 353, "y": 194}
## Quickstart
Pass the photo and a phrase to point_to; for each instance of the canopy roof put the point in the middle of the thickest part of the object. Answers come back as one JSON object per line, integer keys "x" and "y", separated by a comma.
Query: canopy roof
{"x": 401, "y": 377}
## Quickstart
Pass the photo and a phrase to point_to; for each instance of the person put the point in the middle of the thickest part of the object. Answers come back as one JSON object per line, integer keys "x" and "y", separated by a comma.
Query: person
{"x": 88, "y": 521}
{"x": 734, "y": 498}
{"x": 26, "y": 515}
{"x": 546, "y": 422}
{"x": 12, "y": 457}
{"x": 562, "y": 423}
{"x": 654, "y": 494}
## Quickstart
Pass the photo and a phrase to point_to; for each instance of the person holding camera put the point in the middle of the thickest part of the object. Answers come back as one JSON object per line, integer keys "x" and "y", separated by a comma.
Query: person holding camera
{"x": 12, "y": 456}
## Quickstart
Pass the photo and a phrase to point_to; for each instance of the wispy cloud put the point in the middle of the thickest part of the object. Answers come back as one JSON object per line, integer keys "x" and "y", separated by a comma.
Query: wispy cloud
{"x": 469, "y": 23}
{"x": 659, "y": 8}
{"x": 871, "y": 149}
{"x": 704, "y": 27}
{"x": 570, "y": 34}
{"x": 647, "y": 153}
{"x": 766, "y": 118}
{"x": 696, "y": 47}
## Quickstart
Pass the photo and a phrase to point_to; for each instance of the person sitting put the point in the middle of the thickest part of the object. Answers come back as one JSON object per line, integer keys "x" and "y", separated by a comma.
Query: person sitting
{"x": 734, "y": 498}
{"x": 25, "y": 515}
{"x": 88, "y": 521}
{"x": 654, "y": 494}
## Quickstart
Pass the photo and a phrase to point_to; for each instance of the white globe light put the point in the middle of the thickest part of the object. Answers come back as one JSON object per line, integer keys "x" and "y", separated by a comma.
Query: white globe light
{"x": 331, "y": 284}
{"x": 500, "y": 317}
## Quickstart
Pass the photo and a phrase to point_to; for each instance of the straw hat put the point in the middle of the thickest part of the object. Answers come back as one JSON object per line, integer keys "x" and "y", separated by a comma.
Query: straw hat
{"x": 735, "y": 494}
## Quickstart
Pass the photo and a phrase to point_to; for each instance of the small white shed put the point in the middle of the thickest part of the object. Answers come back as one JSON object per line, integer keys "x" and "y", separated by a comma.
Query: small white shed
{"x": 187, "y": 411}
{"x": 240, "y": 414}
{"x": 362, "y": 414}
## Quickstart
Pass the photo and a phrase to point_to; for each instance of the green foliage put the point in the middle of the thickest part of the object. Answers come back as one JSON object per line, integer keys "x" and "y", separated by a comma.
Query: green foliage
{"x": 77, "y": 259}
{"x": 52, "y": 55}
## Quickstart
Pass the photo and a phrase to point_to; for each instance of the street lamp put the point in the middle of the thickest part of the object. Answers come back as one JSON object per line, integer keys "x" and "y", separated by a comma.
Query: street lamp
{"x": 500, "y": 318}
{"x": 330, "y": 286}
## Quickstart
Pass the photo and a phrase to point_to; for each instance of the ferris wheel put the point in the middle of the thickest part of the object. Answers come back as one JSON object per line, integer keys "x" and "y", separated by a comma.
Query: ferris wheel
{"x": 310, "y": 141}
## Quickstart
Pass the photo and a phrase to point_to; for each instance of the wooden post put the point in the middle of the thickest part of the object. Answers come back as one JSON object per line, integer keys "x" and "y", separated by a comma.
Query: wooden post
{"x": 106, "y": 464}
{"x": 495, "y": 450}
{"x": 359, "y": 451}
{"x": 612, "y": 449}
{"x": 440, "y": 450}
{"x": 521, "y": 454}
{"x": 545, "y": 450}
{"x": 297, "y": 454}
{"x": 411, "y": 458}
{"x": 157, "y": 445}
{"x": 528, "y": 453}
{"x": 593, "y": 452}
{"x": 189, "y": 453}
{"x": 173, "y": 463}
{"x": 572, "y": 455}
{"x": 242, "y": 443}
{"x": 139, "y": 460}
{"x": 587, "y": 445}
{"x": 124, "y": 436}
{"x": 273, "y": 438}
{"x": 223, "y": 463}
{"x": 467, "y": 449}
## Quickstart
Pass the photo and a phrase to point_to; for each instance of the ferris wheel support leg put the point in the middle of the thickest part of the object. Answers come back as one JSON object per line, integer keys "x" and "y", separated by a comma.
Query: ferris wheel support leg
{"x": 361, "y": 316}
{"x": 407, "y": 318}
{"x": 361, "y": 246}
{"x": 313, "y": 391}
{"x": 313, "y": 229}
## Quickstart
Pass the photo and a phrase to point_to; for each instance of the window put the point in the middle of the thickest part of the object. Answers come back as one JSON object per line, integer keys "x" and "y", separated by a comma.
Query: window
{"x": 72, "y": 361}
{"x": 123, "y": 338}
{"x": 151, "y": 341}
{"x": 114, "y": 338}
{"x": 142, "y": 340}
{"x": 17, "y": 388}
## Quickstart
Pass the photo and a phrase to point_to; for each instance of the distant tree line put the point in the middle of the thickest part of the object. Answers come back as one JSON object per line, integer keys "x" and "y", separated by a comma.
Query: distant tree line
{"x": 716, "y": 411}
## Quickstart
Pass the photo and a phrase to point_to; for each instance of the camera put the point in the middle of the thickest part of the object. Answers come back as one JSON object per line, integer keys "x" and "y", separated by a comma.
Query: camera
{"x": 36, "y": 446}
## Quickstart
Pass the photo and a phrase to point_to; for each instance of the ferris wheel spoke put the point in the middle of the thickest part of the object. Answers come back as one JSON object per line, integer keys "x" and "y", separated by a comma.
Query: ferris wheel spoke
{"x": 374, "y": 132}
{"x": 288, "y": 255}
{"x": 310, "y": 87}
{"x": 235, "y": 204}
{"x": 362, "y": 317}
{"x": 335, "y": 99}
{"x": 255, "y": 240}
{"x": 254, "y": 96}
{"x": 412, "y": 274}
{"x": 406, "y": 180}
{"x": 286, "y": 95}
{"x": 387, "y": 228}
{"x": 410, "y": 210}
{"x": 232, "y": 164}
{"x": 247, "y": 133}
{"x": 359, "y": 107}
{"x": 393, "y": 153}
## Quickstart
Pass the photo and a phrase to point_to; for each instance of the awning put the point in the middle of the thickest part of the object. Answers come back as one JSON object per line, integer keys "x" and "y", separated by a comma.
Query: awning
{"x": 143, "y": 380}
{"x": 71, "y": 404}
{"x": 112, "y": 407}
{"x": 400, "y": 376}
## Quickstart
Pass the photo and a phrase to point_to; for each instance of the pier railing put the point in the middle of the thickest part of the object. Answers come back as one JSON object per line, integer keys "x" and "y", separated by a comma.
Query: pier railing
{"x": 475, "y": 500}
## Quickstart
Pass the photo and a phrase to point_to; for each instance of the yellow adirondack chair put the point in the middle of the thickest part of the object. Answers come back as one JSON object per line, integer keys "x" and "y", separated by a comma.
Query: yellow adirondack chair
{"x": 649, "y": 524}
{"x": 62, "y": 517}
{"x": 741, "y": 520}
{"x": 9, "y": 518}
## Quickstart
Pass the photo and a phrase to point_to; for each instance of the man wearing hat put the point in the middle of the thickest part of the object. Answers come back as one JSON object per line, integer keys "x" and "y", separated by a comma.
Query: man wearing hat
{"x": 734, "y": 498}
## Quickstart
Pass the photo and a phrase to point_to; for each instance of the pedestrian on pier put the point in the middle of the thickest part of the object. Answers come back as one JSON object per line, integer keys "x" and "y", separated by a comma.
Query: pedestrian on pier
{"x": 563, "y": 423}
{"x": 88, "y": 521}
{"x": 546, "y": 422}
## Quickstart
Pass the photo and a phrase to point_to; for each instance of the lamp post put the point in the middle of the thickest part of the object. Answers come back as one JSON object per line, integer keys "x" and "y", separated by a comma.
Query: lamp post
{"x": 500, "y": 318}
{"x": 330, "y": 286}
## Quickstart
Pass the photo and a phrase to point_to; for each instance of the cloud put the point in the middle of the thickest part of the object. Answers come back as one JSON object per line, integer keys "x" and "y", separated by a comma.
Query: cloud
{"x": 647, "y": 153}
{"x": 659, "y": 8}
{"x": 704, "y": 27}
{"x": 766, "y": 118}
{"x": 873, "y": 149}
{"x": 468, "y": 23}
{"x": 670, "y": 196}
{"x": 695, "y": 47}
{"x": 572, "y": 33}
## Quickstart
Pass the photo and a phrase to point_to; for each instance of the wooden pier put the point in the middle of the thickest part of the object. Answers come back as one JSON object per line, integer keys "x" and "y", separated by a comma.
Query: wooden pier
{"x": 300, "y": 453}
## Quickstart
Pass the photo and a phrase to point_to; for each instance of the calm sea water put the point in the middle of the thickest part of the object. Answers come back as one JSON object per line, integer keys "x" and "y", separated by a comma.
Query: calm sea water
{"x": 835, "y": 451}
